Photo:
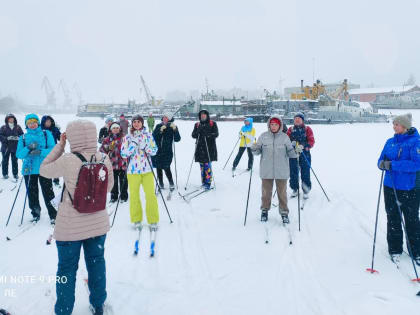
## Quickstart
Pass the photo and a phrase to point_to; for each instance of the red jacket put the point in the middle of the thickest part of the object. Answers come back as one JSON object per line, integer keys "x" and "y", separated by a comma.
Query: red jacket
{"x": 302, "y": 134}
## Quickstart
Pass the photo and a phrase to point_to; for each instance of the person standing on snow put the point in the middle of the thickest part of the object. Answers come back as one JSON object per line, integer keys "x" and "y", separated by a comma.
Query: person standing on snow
{"x": 75, "y": 229}
{"x": 33, "y": 147}
{"x": 247, "y": 135}
{"x": 124, "y": 124}
{"x": 9, "y": 136}
{"x": 165, "y": 134}
{"x": 111, "y": 145}
{"x": 303, "y": 140}
{"x": 48, "y": 123}
{"x": 275, "y": 149}
{"x": 137, "y": 147}
{"x": 104, "y": 131}
{"x": 206, "y": 132}
{"x": 400, "y": 158}
{"x": 150, "y": 122}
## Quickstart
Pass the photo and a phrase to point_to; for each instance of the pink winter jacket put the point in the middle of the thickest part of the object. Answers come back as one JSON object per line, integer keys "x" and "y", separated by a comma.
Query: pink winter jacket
{"x": 71, "y": 225}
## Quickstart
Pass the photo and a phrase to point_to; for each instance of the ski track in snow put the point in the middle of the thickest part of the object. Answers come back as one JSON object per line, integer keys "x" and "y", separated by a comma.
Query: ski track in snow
{"x": 207, "y": 263}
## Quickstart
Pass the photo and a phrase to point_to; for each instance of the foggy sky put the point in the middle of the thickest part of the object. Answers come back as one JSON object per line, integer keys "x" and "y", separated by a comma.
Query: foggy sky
{"x": 104, "y": 46}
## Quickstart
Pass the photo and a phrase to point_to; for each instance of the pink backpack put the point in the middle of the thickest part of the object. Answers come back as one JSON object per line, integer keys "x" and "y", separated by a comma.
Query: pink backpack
{"x": 91, "y": 186}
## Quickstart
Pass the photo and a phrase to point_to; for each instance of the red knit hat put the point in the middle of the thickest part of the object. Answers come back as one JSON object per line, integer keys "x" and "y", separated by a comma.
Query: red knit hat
{"x": 275, "y": 120}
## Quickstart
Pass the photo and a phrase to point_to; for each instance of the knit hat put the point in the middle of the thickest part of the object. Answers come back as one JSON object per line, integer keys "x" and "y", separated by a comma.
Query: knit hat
{"x": 300, "y": 115}
{"x": 114, "y": 125}
{"x": 404, "y": 120}
{"x": 31, "y": 118}
{"x": 275, "y": 120}
{"x": 137, "y": 117}
{"x": 108, "y": 119}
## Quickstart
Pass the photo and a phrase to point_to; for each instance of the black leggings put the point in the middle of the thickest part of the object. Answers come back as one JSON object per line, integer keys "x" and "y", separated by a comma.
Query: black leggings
{"x": 168, "y": 175}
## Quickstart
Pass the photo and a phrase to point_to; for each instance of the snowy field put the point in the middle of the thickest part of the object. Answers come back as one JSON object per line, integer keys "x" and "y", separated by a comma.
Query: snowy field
{"x": 208, "y": 263}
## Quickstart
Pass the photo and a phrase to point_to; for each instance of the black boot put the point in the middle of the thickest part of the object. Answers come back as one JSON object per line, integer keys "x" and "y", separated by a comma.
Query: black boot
{"x": 264, "y": 215}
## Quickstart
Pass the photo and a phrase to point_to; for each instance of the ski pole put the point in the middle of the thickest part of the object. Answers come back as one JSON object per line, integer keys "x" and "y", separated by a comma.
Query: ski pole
{"x": 371, "y": 270}
{"x": 208, "y": 156}
{"x": 232, "y": 152}
{"x": 119, "y": 198}
{"x": 24, "y": 206}
{"x": 298, "y": 189}
{"x": 13, "y": 206}
{"x": 313, "y": 172}
{"x": 160, "y": 191}
{"x": 192, "y": 161}
{"x": 247, "y": 199}
{"x": 404, "y": 227}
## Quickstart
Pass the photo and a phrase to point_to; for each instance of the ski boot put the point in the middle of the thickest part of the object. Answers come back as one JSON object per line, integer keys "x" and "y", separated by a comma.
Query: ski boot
{"x": 52, "y": 222}
{"x": 113, "y": 200}
{"x": 417, "y": 260}
{"x": 285, "y": 218}
{"x": 264, "y": 215}
{"x": 294, "y": 194}
{"x": 153, "y": 227}
{"x": 35, "y": 219}
{"x": 97, "y": 310}
{"x": 171, "y": 186}
{"x": 16, "y": 177}
{"x": 5, "y": 176}
{"x": 395, "y": 258}
{"x": 138, "y": 226}
{"x": 305, "y": 195}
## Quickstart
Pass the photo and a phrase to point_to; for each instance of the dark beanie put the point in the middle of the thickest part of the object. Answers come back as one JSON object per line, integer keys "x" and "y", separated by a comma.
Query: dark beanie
{"x": 301, "y": 115}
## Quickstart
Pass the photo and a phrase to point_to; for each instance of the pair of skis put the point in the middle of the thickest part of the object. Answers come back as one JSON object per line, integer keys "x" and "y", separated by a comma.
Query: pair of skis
{"x": 153, "y": 232}
{"x": 267, "y": 233}
{"x": 194, "y": 194}
{"x": 235, "y": 174}
{"x": 22, "y": 229}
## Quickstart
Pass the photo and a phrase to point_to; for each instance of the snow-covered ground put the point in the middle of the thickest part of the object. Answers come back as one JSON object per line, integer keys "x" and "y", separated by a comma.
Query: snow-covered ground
{"x": 207, "y": 262}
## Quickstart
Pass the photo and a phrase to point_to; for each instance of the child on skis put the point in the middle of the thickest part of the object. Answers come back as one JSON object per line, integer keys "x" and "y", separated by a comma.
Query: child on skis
{"x": 137, "y": 147}
{"x": 165, "y": 134}
{"x": 400, "y": 159}
{"x": 247, "y": 135}
{"x": 33, "y": 147}
{"x": 111, "y": 145}
{"x": 206, "y": 132}
{"x": 275, "y": 149}
{"x": 74, "y": 229}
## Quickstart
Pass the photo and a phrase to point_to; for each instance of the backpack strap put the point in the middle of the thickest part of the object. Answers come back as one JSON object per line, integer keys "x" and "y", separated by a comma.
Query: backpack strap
{"x": 45, "y": 136}
{"x": 81, "y": 157}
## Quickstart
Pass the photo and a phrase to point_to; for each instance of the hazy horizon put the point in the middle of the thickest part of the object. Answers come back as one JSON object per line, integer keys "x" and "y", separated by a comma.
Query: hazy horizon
{"x": 105, "y": 46}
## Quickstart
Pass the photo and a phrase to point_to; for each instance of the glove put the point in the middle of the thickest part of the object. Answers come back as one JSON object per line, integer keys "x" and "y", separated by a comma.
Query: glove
{"x": 241, "y": 134}
{"x": 12, "y": 138}
{"x": 385, "y": 165}
{"x": 33, "y": 146}
{"x": 35, "y": 152}
{"x": 106, "y": 147}
{"x": 294, "y": 144}
{"x": 173, "y": 126}
{"x": 299, "y": 149}
{"x": 162, "y": 129}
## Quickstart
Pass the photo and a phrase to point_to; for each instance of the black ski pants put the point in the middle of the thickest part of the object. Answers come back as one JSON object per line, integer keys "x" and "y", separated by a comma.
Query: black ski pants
{"x": 410, "y": 201}
{"x": 168, "y": 174}
{"x": 31, "y": 182}
{"x": 239, "y": 156}
{"x": 5, "y": 163}
{"x": 120, "y": 181}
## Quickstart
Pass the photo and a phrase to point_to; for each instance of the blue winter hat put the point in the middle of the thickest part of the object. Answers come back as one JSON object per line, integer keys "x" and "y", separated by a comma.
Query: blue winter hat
{"x": 109, "y": 119}
{"x": 300, "y": 115}
{"x": 248, "y": 128}
{"x": 32, "y": 116}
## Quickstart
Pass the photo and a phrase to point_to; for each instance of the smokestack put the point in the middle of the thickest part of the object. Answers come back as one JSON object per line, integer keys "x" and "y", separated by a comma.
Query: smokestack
{"x": 301, "y": 85}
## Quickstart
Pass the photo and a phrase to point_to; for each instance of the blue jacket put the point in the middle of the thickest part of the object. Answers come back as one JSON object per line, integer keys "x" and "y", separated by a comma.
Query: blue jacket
{"x": 31, "y": 164}
{"x": 404, "y": 153}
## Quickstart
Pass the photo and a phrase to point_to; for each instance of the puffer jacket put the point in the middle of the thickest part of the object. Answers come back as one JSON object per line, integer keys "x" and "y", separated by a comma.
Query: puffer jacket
{"x": 45, "y": 142}
{"x": 112, "y": 146}
{"x": 70, "y": 224}
{"x": 247, "y": 134}
{"x": 275, "y": 150}
{"x": 404, "y": 153}
{"x": 206, "y": 133}
{"x": 139, "y": 160}
{"x": 6, "y": 132}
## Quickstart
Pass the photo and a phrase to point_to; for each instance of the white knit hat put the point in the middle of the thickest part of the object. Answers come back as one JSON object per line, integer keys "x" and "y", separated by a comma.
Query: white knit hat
{"x": 404, "y": 120}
